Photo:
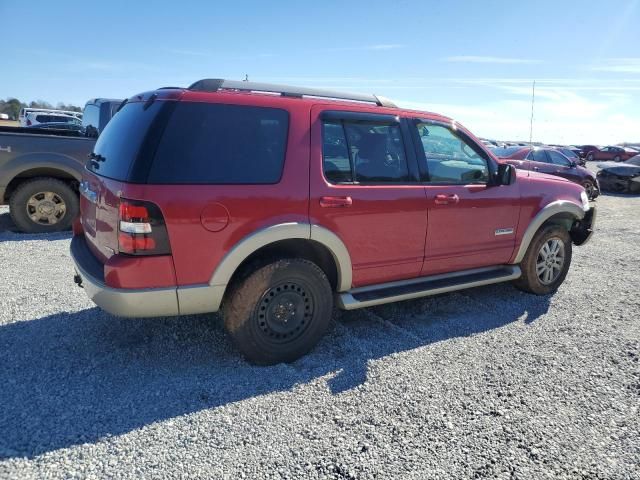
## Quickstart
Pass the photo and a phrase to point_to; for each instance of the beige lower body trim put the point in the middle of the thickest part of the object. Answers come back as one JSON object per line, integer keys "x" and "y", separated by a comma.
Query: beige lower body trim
{"x": 151, "y": 302}
{"x": 200, "y": 298}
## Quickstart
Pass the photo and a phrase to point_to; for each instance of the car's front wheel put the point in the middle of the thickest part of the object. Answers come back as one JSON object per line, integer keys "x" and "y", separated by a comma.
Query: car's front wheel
{"x": 279, "y": 311}
{"x": 590, "y": 189}
{"x": 547, "y": 261}
{"x": 590, "y": 157}
{"x": 616, "y": 158}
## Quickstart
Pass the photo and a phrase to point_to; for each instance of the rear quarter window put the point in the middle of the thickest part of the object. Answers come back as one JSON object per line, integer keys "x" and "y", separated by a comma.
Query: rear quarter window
{"x": 127, "y": 140}
{"x": 205, "y": 143}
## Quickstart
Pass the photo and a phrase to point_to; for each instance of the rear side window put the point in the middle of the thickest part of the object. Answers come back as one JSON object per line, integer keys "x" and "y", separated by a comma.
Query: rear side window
{"x": 121, "y": 142}
{"x": 363, "y": 152}
{"x": 205, "y": 143}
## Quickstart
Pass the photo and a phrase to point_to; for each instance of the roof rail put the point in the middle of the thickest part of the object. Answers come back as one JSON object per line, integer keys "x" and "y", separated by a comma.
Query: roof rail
{"x": 215, "y": 84}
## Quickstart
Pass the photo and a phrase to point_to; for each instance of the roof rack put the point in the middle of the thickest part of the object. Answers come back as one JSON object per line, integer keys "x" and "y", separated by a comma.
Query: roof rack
{"x": 215, "y": 84}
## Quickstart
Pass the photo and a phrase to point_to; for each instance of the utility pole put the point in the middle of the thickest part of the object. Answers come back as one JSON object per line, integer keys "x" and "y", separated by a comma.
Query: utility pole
{"x": 246, "y": 77}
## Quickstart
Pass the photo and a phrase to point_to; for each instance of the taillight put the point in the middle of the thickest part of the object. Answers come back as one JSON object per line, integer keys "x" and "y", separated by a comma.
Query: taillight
{"x": 141, "y": 229}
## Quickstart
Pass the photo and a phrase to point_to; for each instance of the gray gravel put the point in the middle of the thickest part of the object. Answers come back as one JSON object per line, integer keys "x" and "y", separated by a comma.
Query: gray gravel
{"x": 489, "y": 382}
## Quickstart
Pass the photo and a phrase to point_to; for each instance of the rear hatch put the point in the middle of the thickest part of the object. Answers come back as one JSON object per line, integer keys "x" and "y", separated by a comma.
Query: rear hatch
{"x": 118, "y": 167}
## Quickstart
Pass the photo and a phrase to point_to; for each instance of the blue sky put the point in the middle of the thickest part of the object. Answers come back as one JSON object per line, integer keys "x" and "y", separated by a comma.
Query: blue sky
{"x": 472, "y": 60}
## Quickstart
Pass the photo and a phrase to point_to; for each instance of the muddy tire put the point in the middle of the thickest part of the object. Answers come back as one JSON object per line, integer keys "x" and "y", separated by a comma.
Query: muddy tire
{"x": 547, "y": 261}
{"x": 43, "y": 205}
{"x": 279, "y": 312}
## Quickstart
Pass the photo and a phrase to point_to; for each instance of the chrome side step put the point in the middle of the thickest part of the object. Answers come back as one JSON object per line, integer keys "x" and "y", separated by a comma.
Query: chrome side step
{"x": 424, "y": 286}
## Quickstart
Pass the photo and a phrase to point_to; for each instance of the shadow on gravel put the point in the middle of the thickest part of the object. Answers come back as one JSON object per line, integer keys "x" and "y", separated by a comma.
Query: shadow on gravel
{"x": 9, "y": 233}
{"x": 74, "y": 378}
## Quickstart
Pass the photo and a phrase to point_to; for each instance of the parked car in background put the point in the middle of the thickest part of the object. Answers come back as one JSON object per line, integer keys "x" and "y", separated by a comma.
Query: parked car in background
{"x": 585, "y": 149}
{"x": 24, "y": 113}
{"x": 97, "y": 113}
{"x": 612, "y": 152}
{"x": 40, "y": 170}
{"x": 4, "y": 116}
{"x": 623, "y": 177}
{"x": 69, "y": 126}
{"x": 571, "y": 155}
{"x": 36, "y": 118}
{"x": 266, "y": 201}
{"x": 551, "y": 161}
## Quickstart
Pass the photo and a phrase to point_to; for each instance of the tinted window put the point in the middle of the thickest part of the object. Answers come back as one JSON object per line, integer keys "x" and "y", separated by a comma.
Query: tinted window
{"x": 450, "y": 158}
{"x": 568, "y": 153}
{"x": 335, "y": 154}
{"x": 634, "y": 160}
{"x": 558, "y": 159}
{"x": 123, "y": 138}
{"x": 363, "y": 152}
{"x": 221, "y": 144}
{"x": 91, "y": 119}
{"x": 505, "y": 151}
{"x": 537, "y": 156}
{"x": 377, "y": 152}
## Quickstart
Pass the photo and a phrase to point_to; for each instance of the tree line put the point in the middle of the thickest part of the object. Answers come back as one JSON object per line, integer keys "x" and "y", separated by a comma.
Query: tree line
{"x": 12, "y": 106}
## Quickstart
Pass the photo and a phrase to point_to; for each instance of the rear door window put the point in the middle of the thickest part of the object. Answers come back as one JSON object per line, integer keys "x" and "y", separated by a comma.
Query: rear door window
{"x": 205, "y": 143}
{"x": 362, "y": 152}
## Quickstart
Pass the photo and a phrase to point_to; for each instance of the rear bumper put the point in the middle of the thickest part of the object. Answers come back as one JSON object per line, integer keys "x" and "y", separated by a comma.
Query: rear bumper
{"x": 149, "y": 302}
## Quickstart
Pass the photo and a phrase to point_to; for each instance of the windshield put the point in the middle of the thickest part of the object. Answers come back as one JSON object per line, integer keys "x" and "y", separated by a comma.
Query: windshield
{"x": 634, "y": 160}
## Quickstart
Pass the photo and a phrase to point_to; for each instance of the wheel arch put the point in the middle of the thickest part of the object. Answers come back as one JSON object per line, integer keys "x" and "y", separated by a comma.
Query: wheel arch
{"x": 59, "y": 173}
{"x": 304, "y": 240}
{"x": 560, "y": 212}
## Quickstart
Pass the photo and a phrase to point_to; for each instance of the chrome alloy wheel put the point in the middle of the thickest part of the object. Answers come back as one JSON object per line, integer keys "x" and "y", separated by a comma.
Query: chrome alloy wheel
{"x": 551, "y": 258}
{"x": 46, "y": 208}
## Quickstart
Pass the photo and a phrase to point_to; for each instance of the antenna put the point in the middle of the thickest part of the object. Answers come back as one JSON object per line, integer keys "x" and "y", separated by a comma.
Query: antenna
{"x": 533, "y": 100}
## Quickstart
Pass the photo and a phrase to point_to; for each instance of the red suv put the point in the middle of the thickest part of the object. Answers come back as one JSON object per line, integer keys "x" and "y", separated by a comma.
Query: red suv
{"x": 271, "y": 203}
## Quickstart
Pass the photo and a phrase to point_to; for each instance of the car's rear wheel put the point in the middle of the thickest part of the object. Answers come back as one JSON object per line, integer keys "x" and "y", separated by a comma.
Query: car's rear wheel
{"x": 616, "y": 158}
{"x": 547, "y": 261}
{"x": 43, "y": 205}
{"x": 590, "y": 156}
{"x": 280, "y": 311}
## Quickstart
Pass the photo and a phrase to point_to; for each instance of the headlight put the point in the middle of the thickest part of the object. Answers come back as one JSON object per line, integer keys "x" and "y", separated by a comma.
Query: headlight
{"x": 585, "y": 200}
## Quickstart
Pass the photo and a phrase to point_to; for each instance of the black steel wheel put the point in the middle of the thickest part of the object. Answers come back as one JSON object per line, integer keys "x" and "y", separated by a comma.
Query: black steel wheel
{"x": 279, "y": 311}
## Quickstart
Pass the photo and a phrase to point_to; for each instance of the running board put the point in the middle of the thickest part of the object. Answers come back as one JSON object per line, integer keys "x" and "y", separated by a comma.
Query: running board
{"x": 424, "y": 286}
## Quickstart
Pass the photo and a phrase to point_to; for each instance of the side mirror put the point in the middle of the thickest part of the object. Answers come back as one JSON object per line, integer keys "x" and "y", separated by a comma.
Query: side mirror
{"x": 506, "y": 174}
{"x": 572, "y": 163}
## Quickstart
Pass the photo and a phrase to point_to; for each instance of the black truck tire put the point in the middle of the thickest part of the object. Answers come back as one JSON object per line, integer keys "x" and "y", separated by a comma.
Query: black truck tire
{"x": 43, "y": 205}
{"x": 279, "y": 312}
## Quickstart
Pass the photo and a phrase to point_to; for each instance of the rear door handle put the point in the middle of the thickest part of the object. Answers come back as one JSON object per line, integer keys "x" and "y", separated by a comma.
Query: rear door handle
{"x": 335, "y": 202}
{"x": 447, "y": 199}
{"x": 536, "y": 168}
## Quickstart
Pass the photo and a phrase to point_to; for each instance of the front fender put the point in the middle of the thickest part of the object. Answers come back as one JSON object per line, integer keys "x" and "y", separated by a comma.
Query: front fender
{"x": 559, "y": 207}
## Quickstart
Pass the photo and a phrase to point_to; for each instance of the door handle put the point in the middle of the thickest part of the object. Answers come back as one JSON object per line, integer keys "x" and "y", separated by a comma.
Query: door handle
{"x": 335, "y": 202}
{"x": 447, "y": 199}
{"x": 537, "y": 169}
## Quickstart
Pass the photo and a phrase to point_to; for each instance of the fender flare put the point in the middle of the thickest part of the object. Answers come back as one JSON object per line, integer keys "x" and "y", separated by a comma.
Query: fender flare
{"x": 553, "y": 208}
{"x": 285, "y": 231}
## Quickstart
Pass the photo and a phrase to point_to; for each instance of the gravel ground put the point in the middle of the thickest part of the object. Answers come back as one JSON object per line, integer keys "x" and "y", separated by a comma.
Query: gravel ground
{"x": 489, "y": 382}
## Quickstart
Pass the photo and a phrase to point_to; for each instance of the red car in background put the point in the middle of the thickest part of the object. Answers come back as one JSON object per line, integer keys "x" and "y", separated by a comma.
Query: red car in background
{"x": 612, "y": 152}
{"x": 550, "y": 161}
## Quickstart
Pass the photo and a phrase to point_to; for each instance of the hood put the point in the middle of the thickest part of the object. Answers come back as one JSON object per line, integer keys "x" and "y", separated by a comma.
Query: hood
{"x": 543, "y": 176}
{"x": 606, "y": 165}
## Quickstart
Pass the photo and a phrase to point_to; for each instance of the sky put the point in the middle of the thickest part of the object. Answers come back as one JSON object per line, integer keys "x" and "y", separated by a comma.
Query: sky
{"x": 474, "y": 61}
